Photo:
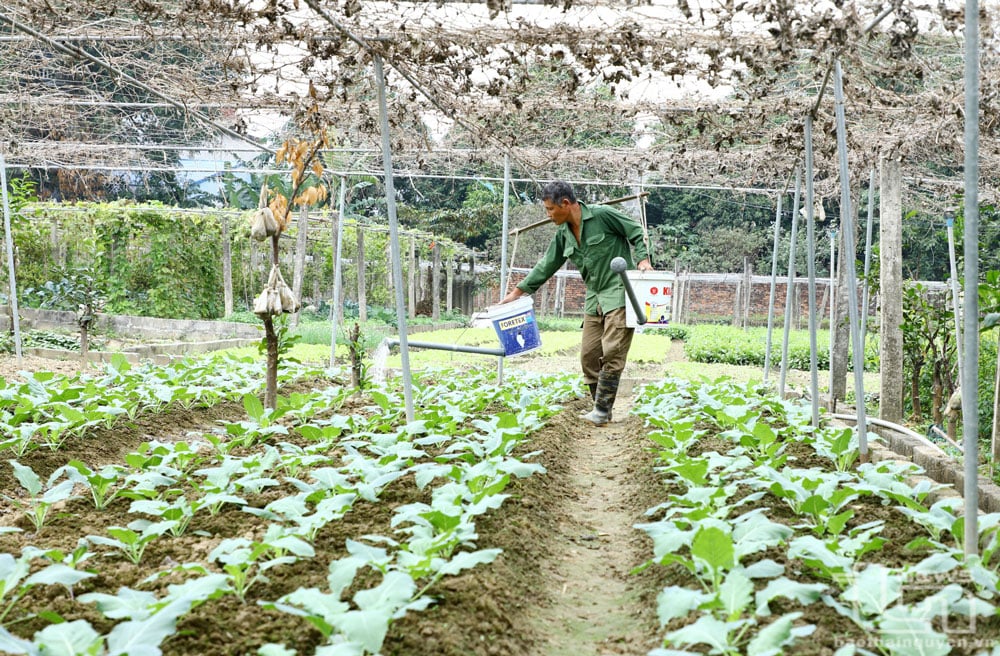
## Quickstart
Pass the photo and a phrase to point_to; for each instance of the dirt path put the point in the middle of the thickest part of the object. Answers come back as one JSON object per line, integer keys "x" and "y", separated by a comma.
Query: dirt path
{"x": 596, "y": 605}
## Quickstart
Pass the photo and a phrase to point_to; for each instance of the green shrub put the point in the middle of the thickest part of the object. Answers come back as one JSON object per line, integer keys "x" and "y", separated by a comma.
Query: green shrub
{"x": 242, "y": 316}
{"x": 671, "y": 331}
{"x": 47, "y": 339}
{"x": 559, "y": 324}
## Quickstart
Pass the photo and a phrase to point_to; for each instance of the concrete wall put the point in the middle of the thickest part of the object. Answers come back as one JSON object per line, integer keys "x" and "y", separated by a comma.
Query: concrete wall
{"x": 131, "y": 326}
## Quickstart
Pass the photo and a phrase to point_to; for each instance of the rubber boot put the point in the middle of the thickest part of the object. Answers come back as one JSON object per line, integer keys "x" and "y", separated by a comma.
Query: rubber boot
{"x": 604, "y": 399}
{"x": 593, "y": 395}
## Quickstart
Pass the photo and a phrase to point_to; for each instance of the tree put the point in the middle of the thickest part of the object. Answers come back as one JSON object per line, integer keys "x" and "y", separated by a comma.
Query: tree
{"x": 76, "y": 291}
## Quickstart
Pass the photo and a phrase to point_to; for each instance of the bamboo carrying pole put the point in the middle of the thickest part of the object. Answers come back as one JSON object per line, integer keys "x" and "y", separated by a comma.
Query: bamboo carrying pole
{"x": 613, "y": 201}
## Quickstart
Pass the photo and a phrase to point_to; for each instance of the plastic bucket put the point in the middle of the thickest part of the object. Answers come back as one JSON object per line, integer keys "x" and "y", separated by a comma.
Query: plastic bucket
{"x": 655, "y": 292}
{"x": 515, "y": 325}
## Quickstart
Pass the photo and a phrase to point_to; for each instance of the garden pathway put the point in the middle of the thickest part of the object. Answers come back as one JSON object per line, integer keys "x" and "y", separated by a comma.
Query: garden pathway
{"x": 594, "y": 604}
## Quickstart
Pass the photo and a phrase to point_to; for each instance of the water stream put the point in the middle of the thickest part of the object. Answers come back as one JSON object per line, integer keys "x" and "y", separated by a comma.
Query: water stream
{"x": 379, "y": 357}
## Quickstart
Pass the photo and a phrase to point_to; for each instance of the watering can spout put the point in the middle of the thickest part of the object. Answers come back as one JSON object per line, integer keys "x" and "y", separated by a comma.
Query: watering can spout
{"x": 460, "y": 348}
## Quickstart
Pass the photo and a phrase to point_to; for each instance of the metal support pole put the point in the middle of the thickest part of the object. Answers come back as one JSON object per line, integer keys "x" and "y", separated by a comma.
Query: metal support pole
{"x": 949, "y": 219}
{"x": 397, "y": 264}
{"x": 774, "y": 284}
{"x": 9, "y": 243}
{"x": 868, "y": 254}
{"x": 970, "y": 416}
{"x": 811, "y": 268}
{"x": 847, "y": 257}
{"x": 338, "y": 276}
{"x": 832, "y": 234}
{"x": 503, "y": 246}
{"x": 789, "y": 296}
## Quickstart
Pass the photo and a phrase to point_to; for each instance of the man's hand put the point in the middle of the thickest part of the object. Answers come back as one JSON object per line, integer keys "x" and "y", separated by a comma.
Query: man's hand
{"x": 512, "y": 296}
{"x": 644, "y": 265}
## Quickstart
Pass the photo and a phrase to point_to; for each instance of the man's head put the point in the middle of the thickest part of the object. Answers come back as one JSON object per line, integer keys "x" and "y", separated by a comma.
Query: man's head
{"x": 559, "y": 201}
{"x": 557, "y": 190}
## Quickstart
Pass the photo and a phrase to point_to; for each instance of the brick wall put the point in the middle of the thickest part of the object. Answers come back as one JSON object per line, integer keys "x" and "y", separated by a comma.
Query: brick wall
{"x": 705, "y": 297}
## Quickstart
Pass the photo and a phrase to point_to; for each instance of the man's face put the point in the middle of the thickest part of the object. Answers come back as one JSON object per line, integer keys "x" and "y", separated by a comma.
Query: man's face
{"x": 558, "y": 212}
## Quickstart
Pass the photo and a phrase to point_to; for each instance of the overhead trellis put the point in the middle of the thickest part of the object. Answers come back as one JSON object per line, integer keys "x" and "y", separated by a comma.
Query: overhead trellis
{"x": 657, "y": 92}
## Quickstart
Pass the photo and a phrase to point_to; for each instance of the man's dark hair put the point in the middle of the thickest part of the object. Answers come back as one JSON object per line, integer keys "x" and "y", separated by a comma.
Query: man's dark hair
{"x": 557, "y": 190}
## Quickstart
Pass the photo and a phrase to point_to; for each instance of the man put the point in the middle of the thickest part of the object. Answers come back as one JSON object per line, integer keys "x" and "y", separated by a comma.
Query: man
{"x": 590, "y": 237}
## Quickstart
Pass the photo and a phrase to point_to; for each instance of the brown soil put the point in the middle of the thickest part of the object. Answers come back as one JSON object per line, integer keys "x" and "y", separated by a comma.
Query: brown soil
{"x": 562, "y": 587}
{"x": 11, "y": 369}
{"x": 562, "y": 584}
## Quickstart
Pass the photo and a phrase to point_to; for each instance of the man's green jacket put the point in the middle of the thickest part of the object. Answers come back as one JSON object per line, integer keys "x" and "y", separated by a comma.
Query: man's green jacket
{"x": 605, "y": 234}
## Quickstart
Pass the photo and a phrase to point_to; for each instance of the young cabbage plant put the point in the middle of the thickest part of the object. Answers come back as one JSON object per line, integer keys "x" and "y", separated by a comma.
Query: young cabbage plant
{"x": 260, "y": 427}
{"x": 359, "y": 627}
{"x": 839, "y": 445}
{"x": 15, "y": 582}
{"x": 760, "y": 441}
{"x": 54, "y": 434}
{"x": 834, "y": 559}
{"x": 103, "y": 484}
{"x": 41, "y": 497}
{"x": 131, "y": 541}
{"x": 730, "y": 638}
{"x": 245, "y": 562}
{"x": 940, "y": 519}
{"x": 22, "y": 439}
{"x": 813, "y": 494}
{"x": 294, "y": 511}
{"x": 216, "y": 487}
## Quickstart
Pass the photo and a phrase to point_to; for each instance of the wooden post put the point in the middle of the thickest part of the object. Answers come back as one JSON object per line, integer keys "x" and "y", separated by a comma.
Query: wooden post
{"x": 995, "y": 443}
{"x": 796, "y": 309}
{"x": 747, "y": 291}
{"x": 227, "y": 266}
{"x": 436, "y": 282}
{"x": 362, "y": 291}
{"x": 681, "y": 291}
{"x": 561, "y": 296}
{"x": 472, "y": 279}
{"x": 840, "y": 328}
{"x": 736, "y": 302}
{"x": 822, "y": 305}
{"x": 411, "y": 278}
{"x": 674, "y": 309}
{"x": 389, "y": 282}
{"x": 450, "y": 284}
{"x": 299, "y": 270}
{"x": 891, "y": 290}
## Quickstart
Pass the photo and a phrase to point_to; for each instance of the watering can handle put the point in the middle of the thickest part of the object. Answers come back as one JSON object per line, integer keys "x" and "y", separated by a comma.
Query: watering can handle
{"x": 618, "y": 265}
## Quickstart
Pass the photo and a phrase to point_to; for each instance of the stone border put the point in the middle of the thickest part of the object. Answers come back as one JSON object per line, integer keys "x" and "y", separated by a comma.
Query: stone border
{"x": 156, "y": 328}
{"x": 937, "y": 465}
{"x": 157, "y": 353}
